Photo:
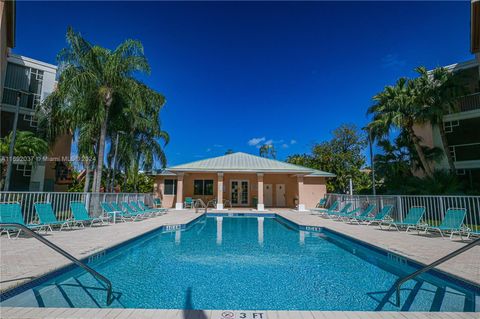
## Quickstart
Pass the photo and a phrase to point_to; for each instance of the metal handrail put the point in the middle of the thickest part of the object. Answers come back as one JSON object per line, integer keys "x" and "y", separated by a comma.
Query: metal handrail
{"x": 66, "y": 255}
{"x": 457, "y": 252}
{"x": 202, "y": 204}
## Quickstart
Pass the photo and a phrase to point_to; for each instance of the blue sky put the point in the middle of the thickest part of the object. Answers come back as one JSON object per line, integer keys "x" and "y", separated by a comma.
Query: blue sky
{"x": 280, "y": 72}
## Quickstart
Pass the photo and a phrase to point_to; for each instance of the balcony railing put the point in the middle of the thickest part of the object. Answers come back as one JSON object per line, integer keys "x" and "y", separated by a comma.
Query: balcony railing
{"x": 465, "y": 152}
{"x": 61, "y": 202}
{"x": 469, "y": 102}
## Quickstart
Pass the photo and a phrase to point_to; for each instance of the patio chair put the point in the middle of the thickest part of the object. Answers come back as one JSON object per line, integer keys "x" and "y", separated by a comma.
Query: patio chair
{"x": 188, "y": 203}
{"x": 365, "y": 214}
{"x": 114, "y": 213}
{"x": 413, "y": 219}
{"x": 321, "y": 211}
{"x": 321, "y": 203}
{"x": 150, "y": 212}
{"x": 356, "y": 212}
{"x": 12, "y": 213}
{"x": 81, "y": 217}
{"x": 47, "y": 217}
{"x": 159, "y": 210}
{"x": 133, "y": 217}
{"x": 133, "y": 212}
{"x": 157, "y": 202}
{"x": 452, "y": 222}
{"x": 380, "y": 217}
{"x": 333, "y": 213}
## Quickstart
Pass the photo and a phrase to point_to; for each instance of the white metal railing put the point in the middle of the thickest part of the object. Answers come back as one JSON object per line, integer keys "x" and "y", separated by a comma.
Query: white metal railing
{"x": 472, "y": 150}
{"x": 61, "y": 201}
{"x": 435, "y": 205}
{"x": 469, "y": 102}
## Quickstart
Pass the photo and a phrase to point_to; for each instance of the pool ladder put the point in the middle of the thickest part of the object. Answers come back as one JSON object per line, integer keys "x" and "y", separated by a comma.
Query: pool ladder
{"x": 398, "y": 284}
{"x": 200, "y": 203}
{"x": 66, "y": 255}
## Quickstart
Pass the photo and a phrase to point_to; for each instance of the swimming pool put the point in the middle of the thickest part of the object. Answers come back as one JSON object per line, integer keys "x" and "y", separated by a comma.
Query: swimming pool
{"x": 250, "y": 263}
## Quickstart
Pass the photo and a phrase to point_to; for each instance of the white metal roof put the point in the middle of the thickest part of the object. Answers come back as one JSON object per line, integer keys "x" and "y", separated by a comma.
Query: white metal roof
{"x": 242, "y": 162}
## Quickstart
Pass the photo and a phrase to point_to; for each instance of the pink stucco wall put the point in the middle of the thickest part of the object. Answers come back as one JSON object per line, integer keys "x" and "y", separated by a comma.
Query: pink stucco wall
{"x": 314, "y": 188}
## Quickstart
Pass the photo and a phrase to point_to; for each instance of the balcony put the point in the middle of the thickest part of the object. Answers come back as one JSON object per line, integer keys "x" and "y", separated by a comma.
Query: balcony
{"x": 465, "y": 152}
{"x": 469, "y": 102}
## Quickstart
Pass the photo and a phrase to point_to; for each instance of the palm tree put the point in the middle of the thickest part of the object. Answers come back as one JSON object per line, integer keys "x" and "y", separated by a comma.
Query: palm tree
{"x": 27, "y": 144}
{"x": 396, "y": 106}
{"x": 438, "y": 93}
{"x": 96, "y": 82}
{"x": 268, "y": 151}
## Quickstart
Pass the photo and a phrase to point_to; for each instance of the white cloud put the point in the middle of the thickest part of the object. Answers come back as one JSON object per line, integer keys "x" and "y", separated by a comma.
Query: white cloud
{"x": 209, "y": 149}
{"x": 217, "y": 145}
{"x": 269, "y": 142}
{"x": 256, "y": 140}
{"x": 293, "y": 142}
{"x": 284, "y": 145}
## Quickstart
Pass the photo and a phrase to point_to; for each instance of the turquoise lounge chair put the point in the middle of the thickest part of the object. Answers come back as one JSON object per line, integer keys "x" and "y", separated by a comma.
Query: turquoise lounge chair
{"x": 12, "y": 213}
{"x": 115, "y": 213}
{"x": 365, "y": 214}
{"x": 322, "y": 211}
{"x": 452, "y": 222}
{"x": 188, "y": 202}
{"x": 413, "y": 219}
{"x": 143, "y": 206}
{"x": 380, "y": 217}
{"x": 47, "y": 216}
{"x": 126, "y": 214}
{"x": 150, "y": 212}
{"x": 132, "y": 212}
{"x": 356, "y": 212}
{"x": 321, "y": 203}
{"x": 157, "y": 202}
{"x": 333, "y": 213}
{"x": 81, "y": 217}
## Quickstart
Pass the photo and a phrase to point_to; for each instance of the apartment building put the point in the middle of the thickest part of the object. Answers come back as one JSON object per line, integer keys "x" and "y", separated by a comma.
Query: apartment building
{"x": 462, "y": 126}
{"x": 32, "y": 81}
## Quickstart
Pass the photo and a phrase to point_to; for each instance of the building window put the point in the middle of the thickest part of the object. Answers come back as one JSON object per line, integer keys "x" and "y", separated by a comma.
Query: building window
{"x": 203, "y": 187}
{"x": 26, "y": 81}
{"x": 170, "y": 187}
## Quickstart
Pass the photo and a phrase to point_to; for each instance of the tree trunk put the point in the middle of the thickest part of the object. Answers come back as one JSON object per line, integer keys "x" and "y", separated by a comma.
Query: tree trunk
{"x": 94, "y": 179}
{"x": 86, "y": 188}
{"x": 101, "y": 151}
{"x": 446, "y": 148}
{"x": 421, "y": 154}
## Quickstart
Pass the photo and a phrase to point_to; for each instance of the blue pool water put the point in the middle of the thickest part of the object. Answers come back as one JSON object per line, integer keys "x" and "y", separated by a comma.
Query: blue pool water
{"x": 244, "y": 263}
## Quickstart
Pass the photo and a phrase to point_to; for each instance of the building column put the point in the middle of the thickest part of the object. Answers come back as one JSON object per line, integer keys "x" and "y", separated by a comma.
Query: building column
{"x": 260, "y": 205}
{"x": 179, "y": 204}
{"x": 301, "y": 194}
{"x": 220, "y": 191}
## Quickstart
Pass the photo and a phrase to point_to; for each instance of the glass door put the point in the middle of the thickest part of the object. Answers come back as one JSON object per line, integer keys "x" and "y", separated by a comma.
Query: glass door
{"x": 239, "y": 192}
{"x": 234, "y": 192}
{"x": 244, "y": 194}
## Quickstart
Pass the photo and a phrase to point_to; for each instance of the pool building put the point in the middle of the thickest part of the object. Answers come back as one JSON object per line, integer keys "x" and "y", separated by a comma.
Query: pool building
{"x": 242, "y": 180}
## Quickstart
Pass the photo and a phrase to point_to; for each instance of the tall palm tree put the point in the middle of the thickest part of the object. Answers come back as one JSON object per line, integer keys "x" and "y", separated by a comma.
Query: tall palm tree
{"x": 396, "y": 106}
{"x": 268, "y": 151}
{"x": 96, "y": 82}
{"x": 27, "y": 144}
{"x": 438, "y": 92}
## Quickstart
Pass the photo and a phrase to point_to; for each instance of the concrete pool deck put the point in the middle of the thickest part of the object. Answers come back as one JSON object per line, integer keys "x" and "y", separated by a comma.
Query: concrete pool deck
{"x": 24, "y": 259}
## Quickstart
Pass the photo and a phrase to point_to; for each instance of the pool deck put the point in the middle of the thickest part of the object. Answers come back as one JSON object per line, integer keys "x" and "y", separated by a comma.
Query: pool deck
{"x": 24, "y": 259}
{"x": 79, "y": 313}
